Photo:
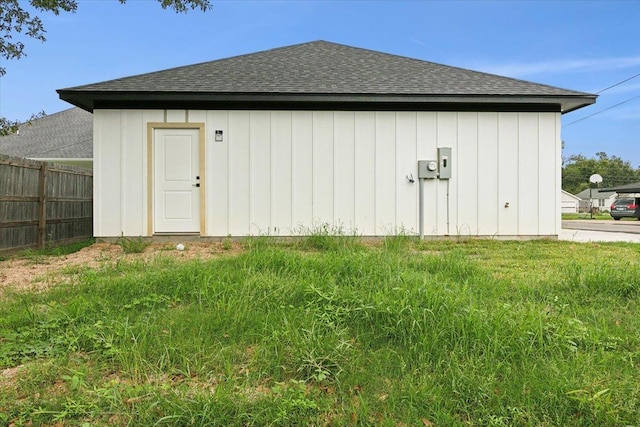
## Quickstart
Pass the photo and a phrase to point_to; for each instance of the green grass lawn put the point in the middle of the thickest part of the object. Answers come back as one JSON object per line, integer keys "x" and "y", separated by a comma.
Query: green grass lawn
{"x": 586, "y": 215}
{"x": 330, "y": 331}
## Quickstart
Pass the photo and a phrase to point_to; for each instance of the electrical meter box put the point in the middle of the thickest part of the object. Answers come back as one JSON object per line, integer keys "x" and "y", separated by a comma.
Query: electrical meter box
{"x": 444, "y": 162}
{"x": 427, "y": 169}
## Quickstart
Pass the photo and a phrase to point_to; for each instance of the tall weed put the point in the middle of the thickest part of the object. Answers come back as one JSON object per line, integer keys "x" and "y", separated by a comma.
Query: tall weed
{"x": 328, "y": 237}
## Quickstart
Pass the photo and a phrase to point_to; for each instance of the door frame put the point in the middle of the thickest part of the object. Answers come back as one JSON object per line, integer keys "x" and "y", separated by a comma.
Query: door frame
{"x": 151, "y": 127}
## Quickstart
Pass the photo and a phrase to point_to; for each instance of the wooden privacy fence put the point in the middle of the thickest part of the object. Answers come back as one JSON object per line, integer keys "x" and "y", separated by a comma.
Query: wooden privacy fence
{"x": 43, "y": 203}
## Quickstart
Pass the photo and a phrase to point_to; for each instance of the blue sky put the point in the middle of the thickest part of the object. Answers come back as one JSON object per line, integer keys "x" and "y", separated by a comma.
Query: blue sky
{"x": 579, "y": 45}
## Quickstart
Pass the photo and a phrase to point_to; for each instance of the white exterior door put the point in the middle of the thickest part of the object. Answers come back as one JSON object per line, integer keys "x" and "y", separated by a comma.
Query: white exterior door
{"x": 176, "y": 181}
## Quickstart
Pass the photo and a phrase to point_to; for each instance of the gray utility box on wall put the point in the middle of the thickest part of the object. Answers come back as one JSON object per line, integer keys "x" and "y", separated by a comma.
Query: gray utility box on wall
{"x": 427, "y": 169}
{"x": 444, "y": 162}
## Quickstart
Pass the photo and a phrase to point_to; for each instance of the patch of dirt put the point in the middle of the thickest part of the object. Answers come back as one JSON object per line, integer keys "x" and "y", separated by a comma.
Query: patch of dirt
{"x": 37, "y": 273}
{"x": 8, "y": 375}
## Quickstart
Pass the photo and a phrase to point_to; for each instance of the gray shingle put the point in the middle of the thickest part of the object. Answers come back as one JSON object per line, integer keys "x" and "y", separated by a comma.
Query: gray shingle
{"x": 596, "y": 193}
{"x": 67, "y": 134}
{"x": 326, "y": 76}
{"x": 322, "y": 67}
{"x": 626, "y": 188}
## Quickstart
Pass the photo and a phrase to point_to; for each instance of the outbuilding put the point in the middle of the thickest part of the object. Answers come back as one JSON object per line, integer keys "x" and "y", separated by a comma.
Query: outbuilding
{"x": 321, "y": 135}
{"x": 570, "y": 202}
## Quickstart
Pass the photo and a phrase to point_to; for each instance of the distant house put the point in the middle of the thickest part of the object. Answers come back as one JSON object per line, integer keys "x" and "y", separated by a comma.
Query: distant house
{"x": 65, "y": 137}
{"x": 599, "y": 199}
{"x": 570, "y": 202}
{"x": 280, "y": 141}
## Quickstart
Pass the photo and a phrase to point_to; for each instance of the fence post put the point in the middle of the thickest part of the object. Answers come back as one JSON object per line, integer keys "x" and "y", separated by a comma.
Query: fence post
{"x": 42, "y": 206}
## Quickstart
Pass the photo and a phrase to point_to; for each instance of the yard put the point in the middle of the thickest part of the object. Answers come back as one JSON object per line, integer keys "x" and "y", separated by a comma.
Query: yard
{"x": 328, "y": 330}
{"x": 586, "y": 215}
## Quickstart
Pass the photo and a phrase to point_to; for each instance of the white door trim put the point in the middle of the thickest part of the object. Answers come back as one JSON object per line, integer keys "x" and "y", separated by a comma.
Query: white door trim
{"x": 151, "y": 127}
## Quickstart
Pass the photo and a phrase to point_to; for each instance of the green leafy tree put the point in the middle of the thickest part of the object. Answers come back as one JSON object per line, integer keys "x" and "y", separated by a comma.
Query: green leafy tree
{"x": 18, "y": 24}
{"x": 614, "y": 171}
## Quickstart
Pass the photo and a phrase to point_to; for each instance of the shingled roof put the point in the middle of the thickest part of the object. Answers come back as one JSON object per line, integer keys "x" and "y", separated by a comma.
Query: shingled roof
{"x": 625, "y": 189}
{"x": 595, "y": 193}
{"x": 67, "y": 134}
{"x": 316, "y": 75}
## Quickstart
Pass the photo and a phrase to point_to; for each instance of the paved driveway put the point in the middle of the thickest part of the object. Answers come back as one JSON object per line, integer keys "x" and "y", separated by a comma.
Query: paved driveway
{"x": 622, "y": 226}
{"x": 601, "y": 231}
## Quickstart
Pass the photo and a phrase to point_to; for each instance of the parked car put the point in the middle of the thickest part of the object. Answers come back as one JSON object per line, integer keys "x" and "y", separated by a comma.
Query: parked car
{"x": 625, "y": 207}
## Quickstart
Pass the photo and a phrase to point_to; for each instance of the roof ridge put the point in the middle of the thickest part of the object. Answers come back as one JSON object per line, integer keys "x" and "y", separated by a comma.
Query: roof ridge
{"x": 330, "y": 43}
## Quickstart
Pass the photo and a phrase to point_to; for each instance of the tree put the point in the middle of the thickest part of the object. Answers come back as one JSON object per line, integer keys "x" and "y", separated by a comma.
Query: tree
{"x": 16, "y": 22}
{"x": 577, "y": 169}
{"x": 8, "y": 127}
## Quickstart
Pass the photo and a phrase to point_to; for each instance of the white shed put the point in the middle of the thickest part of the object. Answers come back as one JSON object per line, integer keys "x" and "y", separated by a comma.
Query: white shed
{"x": 283, "y": 141}
{"x": 570, "y": 202}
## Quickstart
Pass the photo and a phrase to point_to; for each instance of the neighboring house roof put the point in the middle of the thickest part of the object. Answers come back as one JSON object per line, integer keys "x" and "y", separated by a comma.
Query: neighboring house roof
{"x": 627, "y": 188}
{"x": 571, "y": 196}
{"x": 595, "y": 194}
{"x": 323, "y": 75}
{"x": 67, "y": 134}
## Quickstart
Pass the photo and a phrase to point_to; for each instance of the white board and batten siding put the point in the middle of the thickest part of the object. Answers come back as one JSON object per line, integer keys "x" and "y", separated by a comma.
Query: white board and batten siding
{"x": 286, "y": 172}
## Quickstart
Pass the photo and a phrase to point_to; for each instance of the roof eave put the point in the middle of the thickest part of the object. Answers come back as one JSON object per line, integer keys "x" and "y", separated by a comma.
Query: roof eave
{"x": 577, "y": 102}
{"x": 625, "y": 188}
{"x": 89, "y": 100}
